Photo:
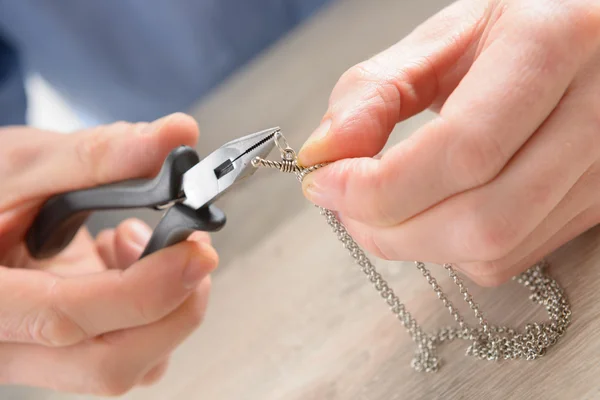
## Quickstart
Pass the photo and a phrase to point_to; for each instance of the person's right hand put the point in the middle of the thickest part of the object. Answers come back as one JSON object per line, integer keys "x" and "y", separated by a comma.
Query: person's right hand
{"x": 93, "y": 319}
{"x": 505, "y": 172}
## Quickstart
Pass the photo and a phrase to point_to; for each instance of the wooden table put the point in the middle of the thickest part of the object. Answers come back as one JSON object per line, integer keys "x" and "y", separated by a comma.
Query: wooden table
{"x": 291, "y": 317}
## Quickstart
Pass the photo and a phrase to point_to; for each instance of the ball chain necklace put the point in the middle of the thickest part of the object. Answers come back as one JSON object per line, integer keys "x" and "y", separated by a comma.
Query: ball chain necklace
{"x": 487, "y": 341}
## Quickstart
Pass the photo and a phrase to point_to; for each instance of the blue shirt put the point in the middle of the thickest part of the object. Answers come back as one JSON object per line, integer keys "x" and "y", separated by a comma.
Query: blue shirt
{"x": 133, "y": 60}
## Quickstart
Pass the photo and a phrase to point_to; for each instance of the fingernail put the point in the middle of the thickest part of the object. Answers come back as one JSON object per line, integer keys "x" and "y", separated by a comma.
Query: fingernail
{"x": 139, "y": 233}
{"x": 155, "y": 125}
{"x": 318, "y": 134}
{"x": 315, "y": 192}
{"x": 201, "y": 263}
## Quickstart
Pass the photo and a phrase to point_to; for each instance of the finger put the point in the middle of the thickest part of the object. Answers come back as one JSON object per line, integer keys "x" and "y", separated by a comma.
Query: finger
{"x": 109, "y": 365}
{"x": 486, "y": 223}
{"x": 371, "y": 97}
{"x": 200, "y": 236}
{"x": 131, "y": 239}
{"x": 155, "y": 374}
{"x": 576, "y": 213}
{"x": 162, "y": 338}
{"x": 546, "y": 239}
{"x": 79, "y": 258}
{"x": 480, "y": 128}
{"x": 84, "y": 159}
{"x": 105, "y": 245}
{"x": 106, "y": 154}
{"x": 498, "y": 272}
{"x": 42, "y": 308}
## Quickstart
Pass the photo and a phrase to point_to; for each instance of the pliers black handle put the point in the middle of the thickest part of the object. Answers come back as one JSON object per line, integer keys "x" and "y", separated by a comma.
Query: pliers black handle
{"x": 61, "y": 217}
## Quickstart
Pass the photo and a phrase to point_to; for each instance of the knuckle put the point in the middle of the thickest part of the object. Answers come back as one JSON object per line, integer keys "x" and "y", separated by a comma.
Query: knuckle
{"x": 182, "y": 117}
{"x": 112, "y": 375}
{"x": 139, "y": 127}
{"x": 96, "y": 145}
{"x": 593, "y": 14}
{"x": 375, "y": 73}
{"x": 156, "y": 374}
{"x": 486, "y": 274}
{"x": 371, "y": 241}
{"x": 354, "y": 74}
{"x": 120, "y": 127}
{"x": 17, "y": 158}
{"x": 375, "y": 245}
{"x": 491, "y": 237}
{"x": 363, "y": 190}
{"x": 52, "y": 327}
{"x": 384, "y": 202}
{"x": 196, "y": 314}
{"x": 583, "y": 18}
{"x": 474, "y": 159}
{"x": 200, "y": 236}
{"x": 196, "y": 318}
{"x": 561, "y": 28}
{"x": 359, "y": 185}
{"x": 347, "y": 79}
{"x": 384, "y": 88}
{"x": 381, "y": 87}
{"x": 380, "y": 248}
{"x": 145, "y": 309}
{"x": 114, "y": 383}
{"x": 92, "y": 151}
{"x": 195, "y": 310}
{"x": 145, "y": 312}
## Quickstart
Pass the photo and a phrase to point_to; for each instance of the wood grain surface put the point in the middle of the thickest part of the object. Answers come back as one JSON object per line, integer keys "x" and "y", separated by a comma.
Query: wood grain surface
{"x": 291, "y": 317}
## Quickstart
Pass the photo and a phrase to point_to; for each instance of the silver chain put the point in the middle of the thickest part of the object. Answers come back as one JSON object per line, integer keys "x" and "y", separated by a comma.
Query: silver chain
{"x": 487, "y": 342}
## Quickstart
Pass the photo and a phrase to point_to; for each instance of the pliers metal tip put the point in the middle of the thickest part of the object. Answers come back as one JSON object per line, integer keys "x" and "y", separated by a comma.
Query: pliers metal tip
{"x": 226, "y": 166}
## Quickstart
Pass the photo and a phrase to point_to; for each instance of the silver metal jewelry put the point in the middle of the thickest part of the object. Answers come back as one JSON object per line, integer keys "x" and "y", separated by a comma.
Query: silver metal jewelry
{"x": 487, "y": 342}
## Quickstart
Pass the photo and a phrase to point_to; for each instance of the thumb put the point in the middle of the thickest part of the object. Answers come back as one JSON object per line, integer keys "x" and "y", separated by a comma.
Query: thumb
{"x": 373, "y": 96}
{"x": 108, "y": 154}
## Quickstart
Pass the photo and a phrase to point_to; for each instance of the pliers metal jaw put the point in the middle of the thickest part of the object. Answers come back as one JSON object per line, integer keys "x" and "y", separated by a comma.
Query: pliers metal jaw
{"x": 185, "y": 186}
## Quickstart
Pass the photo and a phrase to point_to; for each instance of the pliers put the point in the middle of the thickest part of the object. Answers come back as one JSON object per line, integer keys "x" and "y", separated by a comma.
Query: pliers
{"x": 185, "y": 186}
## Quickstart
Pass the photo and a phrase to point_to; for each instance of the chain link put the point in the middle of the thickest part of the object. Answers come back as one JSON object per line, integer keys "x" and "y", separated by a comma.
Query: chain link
{"x": 487, "y": 342}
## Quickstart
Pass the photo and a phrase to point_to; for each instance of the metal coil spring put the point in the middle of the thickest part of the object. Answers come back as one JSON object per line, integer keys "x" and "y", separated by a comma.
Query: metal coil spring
{"x": 305, "y": 171}
{"x": 289, "y": 166}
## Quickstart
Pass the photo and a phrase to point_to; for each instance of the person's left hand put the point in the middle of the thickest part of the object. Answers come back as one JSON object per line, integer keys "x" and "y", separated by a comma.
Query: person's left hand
{"x": 506, "y": 172}
{"x": 94, "y": 319}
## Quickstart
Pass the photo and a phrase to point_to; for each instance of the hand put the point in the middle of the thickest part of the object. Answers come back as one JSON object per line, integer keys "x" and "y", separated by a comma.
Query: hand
{"x": 93, "y": 319}
{"x": 508, "y": 168}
